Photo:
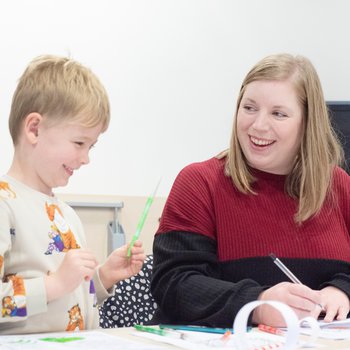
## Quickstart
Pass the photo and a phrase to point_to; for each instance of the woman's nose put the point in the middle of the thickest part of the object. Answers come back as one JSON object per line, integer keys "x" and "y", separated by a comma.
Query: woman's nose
{"x": 261, "y": 121}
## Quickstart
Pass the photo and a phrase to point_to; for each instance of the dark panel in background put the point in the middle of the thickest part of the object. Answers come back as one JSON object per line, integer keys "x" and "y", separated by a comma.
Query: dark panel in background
{"x": 340, "y": 117}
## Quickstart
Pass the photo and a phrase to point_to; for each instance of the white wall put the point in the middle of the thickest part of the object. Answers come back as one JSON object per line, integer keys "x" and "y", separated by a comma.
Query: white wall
{"x": 172, "y": 69}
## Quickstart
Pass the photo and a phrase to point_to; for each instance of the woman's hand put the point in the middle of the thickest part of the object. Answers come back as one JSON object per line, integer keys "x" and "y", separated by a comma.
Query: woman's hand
{"x": 336, "y": 304}
{"x": 303, "y": 300}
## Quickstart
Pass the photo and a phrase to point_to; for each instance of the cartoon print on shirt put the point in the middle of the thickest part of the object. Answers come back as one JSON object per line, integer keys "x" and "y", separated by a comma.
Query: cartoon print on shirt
{"x": 15, "y": 304}
{"x": 62, "y": 238}
{"x": 5, "y": 191}
{"x": 75, "y": 319}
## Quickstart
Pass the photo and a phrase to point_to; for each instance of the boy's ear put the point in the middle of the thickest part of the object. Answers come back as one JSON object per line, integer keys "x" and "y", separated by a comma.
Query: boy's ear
{"x": 31, "y": 126}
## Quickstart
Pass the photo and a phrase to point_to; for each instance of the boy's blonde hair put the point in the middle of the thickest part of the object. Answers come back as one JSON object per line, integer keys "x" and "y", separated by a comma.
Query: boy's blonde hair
{"x": 320, "y": 151}
{"x": 62, "y": 90}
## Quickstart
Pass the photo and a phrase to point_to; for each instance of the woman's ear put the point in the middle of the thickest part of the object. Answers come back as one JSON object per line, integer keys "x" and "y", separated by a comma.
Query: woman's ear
{"x": 31, "y": 127}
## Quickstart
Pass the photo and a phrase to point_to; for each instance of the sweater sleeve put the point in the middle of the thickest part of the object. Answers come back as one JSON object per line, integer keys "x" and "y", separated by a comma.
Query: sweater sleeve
{"x": 20, "y": 297}
{"x": 189, "y": 206}
{"x": 342, "y": 189}
{"x": 188, "y": 286}
{"x": 186, "y": 282}
{"x": 101, "y": 292}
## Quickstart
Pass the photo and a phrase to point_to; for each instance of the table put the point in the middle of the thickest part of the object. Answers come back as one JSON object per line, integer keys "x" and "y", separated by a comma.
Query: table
{"x": 128, "y": 333}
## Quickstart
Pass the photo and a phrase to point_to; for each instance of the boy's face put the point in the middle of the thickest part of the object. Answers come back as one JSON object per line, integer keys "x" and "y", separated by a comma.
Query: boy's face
{"x": 60, "y": 150}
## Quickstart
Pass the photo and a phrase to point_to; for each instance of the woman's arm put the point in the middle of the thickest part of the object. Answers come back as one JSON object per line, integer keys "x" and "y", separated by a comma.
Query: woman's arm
{"x": 187, "y": 282}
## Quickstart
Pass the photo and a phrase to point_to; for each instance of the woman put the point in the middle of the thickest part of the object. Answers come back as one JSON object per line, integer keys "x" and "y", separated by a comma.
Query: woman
{"x": 277, "y": 189}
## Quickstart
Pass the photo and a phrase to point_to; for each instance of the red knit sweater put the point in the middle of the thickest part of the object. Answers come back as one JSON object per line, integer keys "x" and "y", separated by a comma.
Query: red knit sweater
{"x": 203, "y": 200}
{"x": 211, "y": 251}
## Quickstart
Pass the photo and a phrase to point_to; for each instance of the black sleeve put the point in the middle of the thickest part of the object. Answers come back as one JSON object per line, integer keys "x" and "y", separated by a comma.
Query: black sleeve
{"x": 340, "y": 281}
{"x": 187, "y": 282}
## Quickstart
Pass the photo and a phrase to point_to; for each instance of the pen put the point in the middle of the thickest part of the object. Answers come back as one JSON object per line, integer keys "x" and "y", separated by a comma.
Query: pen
{"x": 196, "y": 328}
{"x": 142, "y": 220}
{"x": 287, "y": 272}
{"x": 284, "y": 269}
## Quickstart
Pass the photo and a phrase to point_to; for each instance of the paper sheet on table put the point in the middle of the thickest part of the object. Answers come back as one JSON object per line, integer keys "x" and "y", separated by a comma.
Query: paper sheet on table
{"x": 207, "y": 341}
{"x": 71, "y": 341}
{"x": 344, "y": 324}
{"x": 337, "y": 330}
{"x": 243, "y": 340}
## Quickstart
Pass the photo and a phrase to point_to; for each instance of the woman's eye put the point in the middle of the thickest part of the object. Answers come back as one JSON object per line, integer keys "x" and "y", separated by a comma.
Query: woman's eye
{"x": 79, "y": 143}
{"x": 280, "y": 115}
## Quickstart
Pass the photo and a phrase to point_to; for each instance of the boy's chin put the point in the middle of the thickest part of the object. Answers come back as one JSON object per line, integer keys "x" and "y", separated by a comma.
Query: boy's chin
{"x": 62, "y": 183}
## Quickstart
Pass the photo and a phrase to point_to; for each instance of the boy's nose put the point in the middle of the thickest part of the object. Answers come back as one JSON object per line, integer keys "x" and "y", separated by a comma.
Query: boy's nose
{"x": 85, "y": 159}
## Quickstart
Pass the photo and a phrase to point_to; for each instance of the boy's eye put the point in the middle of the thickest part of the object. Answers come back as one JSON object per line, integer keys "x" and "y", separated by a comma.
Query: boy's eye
{"x": 84, "y": 144}
{"x": 249, "y": 108}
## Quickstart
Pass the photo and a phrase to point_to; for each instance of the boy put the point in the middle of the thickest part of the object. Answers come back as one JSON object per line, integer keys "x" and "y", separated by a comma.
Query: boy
{"x": 50, "y": 281}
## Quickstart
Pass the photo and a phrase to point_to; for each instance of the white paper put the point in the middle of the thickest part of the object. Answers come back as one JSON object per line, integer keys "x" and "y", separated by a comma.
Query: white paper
{"x": 241, "y": 320}
{"x": 90, "y": 340}
{"x": 241, "y": 339}
{"x": 345, "y": 324}
{"x": 210, "y": 341}
{"x": 338, "y": 330}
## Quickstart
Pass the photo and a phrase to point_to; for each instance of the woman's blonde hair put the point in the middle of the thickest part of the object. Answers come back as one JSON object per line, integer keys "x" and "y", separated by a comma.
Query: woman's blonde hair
{"x": 62, "y": 90}
{"x": 320, "y": 151}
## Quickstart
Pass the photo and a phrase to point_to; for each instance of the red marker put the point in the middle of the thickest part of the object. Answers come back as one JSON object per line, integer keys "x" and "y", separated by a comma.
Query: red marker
{"x": 269, "y": 329}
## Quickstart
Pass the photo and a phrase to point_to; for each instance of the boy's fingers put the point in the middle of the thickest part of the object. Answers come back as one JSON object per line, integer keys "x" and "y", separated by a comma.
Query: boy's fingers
{"x": 138, "y": 243}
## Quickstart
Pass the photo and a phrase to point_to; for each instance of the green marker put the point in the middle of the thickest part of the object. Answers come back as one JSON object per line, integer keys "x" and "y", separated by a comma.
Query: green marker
{"x": 61, "y": 339}
{"x": 150, "y": 330}
{"x": 142, "y": 220}
{"x": 165, "y": 333}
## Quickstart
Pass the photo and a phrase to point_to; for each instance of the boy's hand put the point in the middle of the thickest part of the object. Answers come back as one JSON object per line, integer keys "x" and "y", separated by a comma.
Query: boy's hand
{"x": 119, "y": 267}
{"x": 77, "y": 265}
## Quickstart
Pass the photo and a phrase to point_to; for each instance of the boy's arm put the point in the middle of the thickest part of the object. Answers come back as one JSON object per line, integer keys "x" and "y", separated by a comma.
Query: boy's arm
{"x": 19, "y": 297}
{"x": 78, "y": 265}
{"x": 119, "y": 267}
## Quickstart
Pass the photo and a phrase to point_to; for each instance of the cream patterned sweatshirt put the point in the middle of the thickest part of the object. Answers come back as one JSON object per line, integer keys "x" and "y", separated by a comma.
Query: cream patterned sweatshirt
{"x": 36, "y": 230}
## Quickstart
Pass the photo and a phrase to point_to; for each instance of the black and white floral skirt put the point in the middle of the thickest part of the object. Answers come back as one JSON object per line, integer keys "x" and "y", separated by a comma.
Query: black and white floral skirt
{"x": 132, "y": 302}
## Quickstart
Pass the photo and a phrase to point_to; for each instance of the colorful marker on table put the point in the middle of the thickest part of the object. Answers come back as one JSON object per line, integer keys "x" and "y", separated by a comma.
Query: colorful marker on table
{"x": 174, "y": 333}
{"x": 196, "y": 328}
{"x": 157, "y": 331}
{"x": 270, "y": 329}
{"x": 61, "y": 339}
{"x": 136, "y": 235}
